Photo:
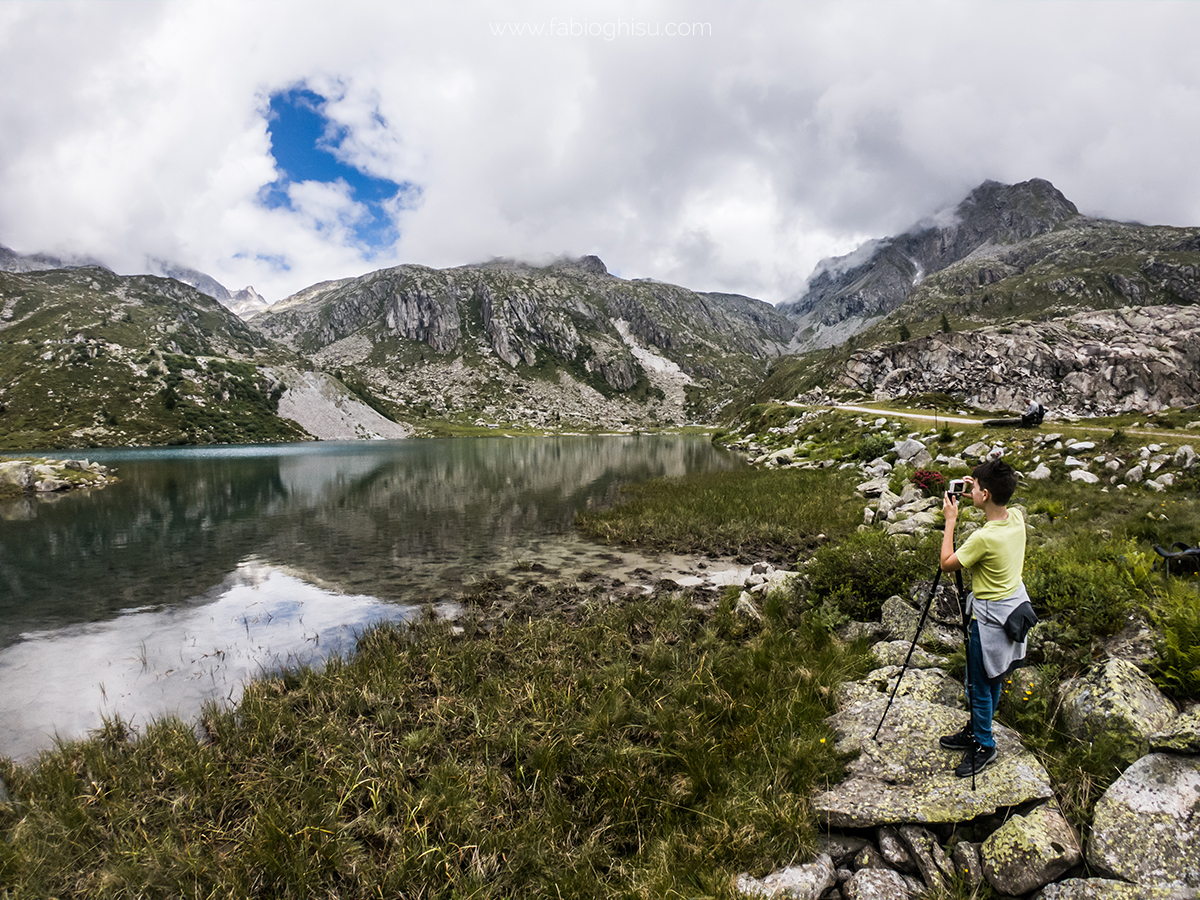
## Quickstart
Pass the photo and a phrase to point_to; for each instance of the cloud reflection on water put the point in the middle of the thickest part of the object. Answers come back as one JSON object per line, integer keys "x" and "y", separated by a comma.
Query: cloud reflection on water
{"x": 148, "y": 663}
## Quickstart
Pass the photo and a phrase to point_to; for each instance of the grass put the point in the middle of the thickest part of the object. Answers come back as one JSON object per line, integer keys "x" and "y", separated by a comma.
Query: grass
{"x": 748, "y": 514}
{"x": 651, "y": 750}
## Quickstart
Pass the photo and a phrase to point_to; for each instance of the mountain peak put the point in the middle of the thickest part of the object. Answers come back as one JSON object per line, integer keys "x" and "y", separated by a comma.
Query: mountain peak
{"x": 844, "y": 292}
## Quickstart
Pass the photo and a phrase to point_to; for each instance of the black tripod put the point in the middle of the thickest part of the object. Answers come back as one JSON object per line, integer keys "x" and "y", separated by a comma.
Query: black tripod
{"x": 966, "y": 627}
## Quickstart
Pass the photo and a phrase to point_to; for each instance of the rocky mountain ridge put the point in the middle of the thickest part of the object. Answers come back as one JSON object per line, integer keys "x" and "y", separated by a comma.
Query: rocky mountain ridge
{"x": 584, "y": 344}
{"x": 845, "y": 293}
{"x": 244, "y": 303}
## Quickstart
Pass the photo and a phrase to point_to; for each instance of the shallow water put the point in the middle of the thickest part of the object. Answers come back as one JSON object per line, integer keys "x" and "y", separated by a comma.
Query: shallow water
{"x": 204, "y": 566}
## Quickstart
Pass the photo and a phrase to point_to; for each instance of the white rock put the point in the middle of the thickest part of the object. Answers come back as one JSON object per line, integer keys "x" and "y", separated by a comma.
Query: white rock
{"x": 1041, "y": 473}
{"x": 1084, "y": 475}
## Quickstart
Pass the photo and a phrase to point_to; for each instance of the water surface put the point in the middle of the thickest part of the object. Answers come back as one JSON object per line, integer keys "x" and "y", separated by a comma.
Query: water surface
{"x": 204, "y": 566}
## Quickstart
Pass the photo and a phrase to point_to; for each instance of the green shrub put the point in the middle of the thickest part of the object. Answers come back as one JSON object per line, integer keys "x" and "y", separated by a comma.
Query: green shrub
{"x": 857, "y": 575}
{"x": 872, "y": 447}
{"x": 1090, "y": 584}
{"x": 1177, "y": 615}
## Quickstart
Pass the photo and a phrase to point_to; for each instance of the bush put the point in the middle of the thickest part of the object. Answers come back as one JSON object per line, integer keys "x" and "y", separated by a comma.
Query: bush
{"x": 1089, "y": 584}
{"x": 1177, "y": 615}
{"x": 857, "y": 575}
{"x": 929, "y": 481}
{"x": 872, "y": 447}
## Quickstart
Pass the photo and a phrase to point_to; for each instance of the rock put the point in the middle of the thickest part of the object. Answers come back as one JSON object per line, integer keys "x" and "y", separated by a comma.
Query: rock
{"x": 1095, "y": 889}
{"x": 894, "y": 653}
{"x": 875, "y": 884}
{"x": 1184, "y": 457}
{"x": 907, "y": 449}
{"x": 918, "y": 522}
{"x": 1116, "y": 699}
{"x": 1072, "y": 462}
{"x": 1134, "y": 475}
{"x": 968, "y": 863}
{"x": 796, "y": 882}
{"x": 869, "y": 858}
{"x": 904, "y": 777}
{"x": 841, "y": 848}
{"x": 17, "y": 473}
{"x": 895, "y": 851}
{"x": 978, "y": 450}
{"x": 935, "y": 867}
{"x": 1041, "y": 473}
{"x": 902, "y": 619}
{"x": 1029, "y": 852}
{"x": 1146, "y": 827}
{"x": 1182, "y": 735}
{"x": 745, "y": 608}
{"x": 929, "y": 685}
{"x": 1166, "y": 479}
{"x": 1084, "y": 475}
{"x": 874, "y": 487}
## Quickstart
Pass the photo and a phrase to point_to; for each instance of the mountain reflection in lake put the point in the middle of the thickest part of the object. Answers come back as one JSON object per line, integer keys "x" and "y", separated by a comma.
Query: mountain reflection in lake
{"x": 203, "y": 566}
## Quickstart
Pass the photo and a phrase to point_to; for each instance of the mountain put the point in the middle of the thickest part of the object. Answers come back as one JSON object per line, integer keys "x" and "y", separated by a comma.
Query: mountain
{"x": 244, "y": 303}
{"x": 92, "y": 358}
{"x": 1011, "y": 294}
{"x": 846, "y": 294}
{"x": 505, "y": 342}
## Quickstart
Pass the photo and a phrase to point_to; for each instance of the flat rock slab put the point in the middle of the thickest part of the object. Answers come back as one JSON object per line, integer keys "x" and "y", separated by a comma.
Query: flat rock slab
{"x": 906, "y": 777}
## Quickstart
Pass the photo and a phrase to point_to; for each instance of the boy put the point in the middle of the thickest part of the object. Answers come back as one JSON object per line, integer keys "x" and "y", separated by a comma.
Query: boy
{"x": 995, "y": 556}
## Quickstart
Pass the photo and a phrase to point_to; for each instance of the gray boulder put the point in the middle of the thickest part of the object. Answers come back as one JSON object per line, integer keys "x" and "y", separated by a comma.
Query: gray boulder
{"x": 1185, "y": 456}
{"x": 935, "y": 867}
{"x": 907, "y": 449}
{"x": 1029, "y": 852}
{"x": 1098, "y": 889}
{"x": 895, "y": 851}
{"x": 902, "y": 620}
{"x": 1116, "y": 699}
{"x": 876, "y": 884}
{"x": 1041, "y": 473}
{"x": 20, "y": 474}
{"x": 894, "y": 653}
{"x": 1182, "y": 735}
{"x": 904, "y": 777}
{"x": 1146, "y": 827}
{"x": 930, "y": 685}
{"x": 807, "y": 882}
{"x": 968, "y": 863}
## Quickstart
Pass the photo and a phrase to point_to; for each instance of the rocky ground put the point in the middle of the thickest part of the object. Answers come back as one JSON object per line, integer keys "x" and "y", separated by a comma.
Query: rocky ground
{"x": 902, "y": 825}
{"x": 21, "y": 477}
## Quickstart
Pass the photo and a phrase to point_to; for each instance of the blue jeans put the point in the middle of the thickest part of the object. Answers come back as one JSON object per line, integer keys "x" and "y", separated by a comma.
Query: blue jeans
{"x": 983, "y": 693}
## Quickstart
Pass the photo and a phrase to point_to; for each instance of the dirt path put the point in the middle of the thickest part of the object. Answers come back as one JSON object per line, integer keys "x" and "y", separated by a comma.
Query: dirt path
{"x": 926, "y": 417}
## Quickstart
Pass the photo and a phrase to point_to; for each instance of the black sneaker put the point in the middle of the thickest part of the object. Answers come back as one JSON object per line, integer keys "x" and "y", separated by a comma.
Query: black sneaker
{"x": 975, "y": 760}
{"x": 960, "y": 740}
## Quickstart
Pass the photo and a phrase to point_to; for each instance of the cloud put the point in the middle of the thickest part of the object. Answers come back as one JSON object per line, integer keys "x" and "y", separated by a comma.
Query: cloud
{"x": 733, "y": 158}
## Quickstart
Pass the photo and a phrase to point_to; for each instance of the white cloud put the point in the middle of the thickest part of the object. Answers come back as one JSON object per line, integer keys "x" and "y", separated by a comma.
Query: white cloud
{"x": 732, "y": 161}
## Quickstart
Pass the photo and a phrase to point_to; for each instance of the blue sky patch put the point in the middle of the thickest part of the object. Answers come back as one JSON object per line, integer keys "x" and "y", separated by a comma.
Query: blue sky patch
{"x": 304, "y": 143}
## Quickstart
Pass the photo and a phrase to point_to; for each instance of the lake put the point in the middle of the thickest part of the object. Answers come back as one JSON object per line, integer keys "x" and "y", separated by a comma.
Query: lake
{"x": 202, "y": 567}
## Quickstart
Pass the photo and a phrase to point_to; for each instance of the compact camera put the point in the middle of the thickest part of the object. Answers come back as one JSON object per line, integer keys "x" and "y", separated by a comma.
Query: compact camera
{"x": 957, "y": 486}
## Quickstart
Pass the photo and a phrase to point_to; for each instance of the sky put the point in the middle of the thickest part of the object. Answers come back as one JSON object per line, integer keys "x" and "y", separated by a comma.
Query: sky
{"x": 723, "y": 146}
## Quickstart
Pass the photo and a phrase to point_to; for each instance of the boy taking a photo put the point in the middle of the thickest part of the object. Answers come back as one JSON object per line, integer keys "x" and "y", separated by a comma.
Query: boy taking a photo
{"x": 998, "y": 604}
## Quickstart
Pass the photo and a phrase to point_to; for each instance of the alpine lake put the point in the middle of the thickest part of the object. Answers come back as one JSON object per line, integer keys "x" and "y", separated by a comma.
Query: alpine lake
{"x": 202, "y": 567}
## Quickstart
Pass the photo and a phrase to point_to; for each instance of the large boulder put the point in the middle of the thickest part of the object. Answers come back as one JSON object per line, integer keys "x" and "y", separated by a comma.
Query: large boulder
{"x": 1099, "y": 889}
{"x": 928, "y": 685}
{"x": 1146, "y": 827}
{"x": 806, "y": 882}
{"x": 905, "y": 777}
{"x": 876, "y": 884}
{"x": 1182, "y": 735}
{"x": 902, "y": 620}
{"x": 1116, "y": 700}
{"x": 1029, "y": 852}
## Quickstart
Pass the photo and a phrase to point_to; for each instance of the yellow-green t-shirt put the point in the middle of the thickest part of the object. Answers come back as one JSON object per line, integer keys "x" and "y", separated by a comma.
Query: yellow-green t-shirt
{"x": 995, "y": 554}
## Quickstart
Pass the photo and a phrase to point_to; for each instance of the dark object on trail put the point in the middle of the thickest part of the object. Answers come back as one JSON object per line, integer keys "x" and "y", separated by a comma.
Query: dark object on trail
{"x": 1031, "y": 418}
{"x": 1185, "y": 558}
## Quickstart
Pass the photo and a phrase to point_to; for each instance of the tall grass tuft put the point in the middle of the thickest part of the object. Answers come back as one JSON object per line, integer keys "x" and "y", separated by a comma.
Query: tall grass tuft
{"x": 649, "y": 750}
{"x": 764, "y": 514}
